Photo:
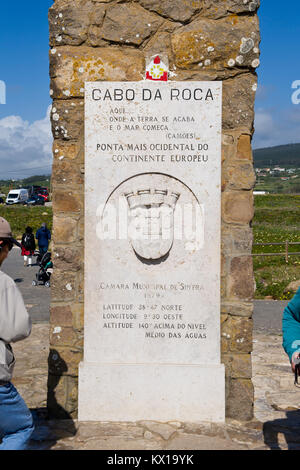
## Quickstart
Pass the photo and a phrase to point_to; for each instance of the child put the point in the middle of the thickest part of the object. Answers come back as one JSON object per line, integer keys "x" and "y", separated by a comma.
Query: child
{"x": 28, "y": 246}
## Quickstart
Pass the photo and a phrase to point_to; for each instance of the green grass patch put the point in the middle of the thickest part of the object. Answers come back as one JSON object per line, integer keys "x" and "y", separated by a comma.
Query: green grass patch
{"x": 276, "y": 220}
{"x": 277, "y": 200}
{"x": 20, "y": 217}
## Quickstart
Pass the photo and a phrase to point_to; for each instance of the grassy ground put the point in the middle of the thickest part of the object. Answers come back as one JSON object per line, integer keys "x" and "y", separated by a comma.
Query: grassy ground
{"x": 20, "y": 217}
{"x": 276, "y": 185}
{"x": 277, "y": 219}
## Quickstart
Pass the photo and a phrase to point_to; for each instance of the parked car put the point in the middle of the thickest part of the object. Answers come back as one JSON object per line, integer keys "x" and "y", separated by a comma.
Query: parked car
{"x": 44, "y": 193}
{"x": 17, "y": 196}
{"x": 35, "y": 200}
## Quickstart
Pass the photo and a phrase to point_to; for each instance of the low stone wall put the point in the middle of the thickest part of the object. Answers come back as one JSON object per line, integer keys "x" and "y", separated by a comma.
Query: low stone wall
{"x": 95, "y": 40}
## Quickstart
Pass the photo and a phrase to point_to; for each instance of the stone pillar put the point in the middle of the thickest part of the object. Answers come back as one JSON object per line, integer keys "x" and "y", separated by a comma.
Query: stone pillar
{"x": 95, "y": 40}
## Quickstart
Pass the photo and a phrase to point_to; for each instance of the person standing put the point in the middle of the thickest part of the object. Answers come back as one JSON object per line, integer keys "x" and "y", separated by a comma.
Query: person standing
{"x": 28, "y": 246}
{"x": 291, "y": 329}
{"x": 43, "y": 237}
{"x": 16, "y": 422}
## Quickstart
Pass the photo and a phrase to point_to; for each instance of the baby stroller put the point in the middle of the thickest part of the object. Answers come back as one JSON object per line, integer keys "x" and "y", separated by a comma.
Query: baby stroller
{"x": 44, "y": 273}
{"x": 39, "y": 256}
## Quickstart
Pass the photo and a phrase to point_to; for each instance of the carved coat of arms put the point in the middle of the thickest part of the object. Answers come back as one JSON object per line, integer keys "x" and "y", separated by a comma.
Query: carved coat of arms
{"x": 151, "y": 221}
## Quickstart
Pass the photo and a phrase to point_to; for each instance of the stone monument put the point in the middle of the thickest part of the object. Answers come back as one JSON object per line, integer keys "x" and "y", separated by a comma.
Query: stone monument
{"x": 130, "y": 310}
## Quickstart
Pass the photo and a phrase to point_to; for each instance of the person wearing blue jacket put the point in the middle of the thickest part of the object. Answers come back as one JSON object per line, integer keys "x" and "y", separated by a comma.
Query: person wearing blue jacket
{"x": 291, "y": 329}
{"x": 43, "y": 237}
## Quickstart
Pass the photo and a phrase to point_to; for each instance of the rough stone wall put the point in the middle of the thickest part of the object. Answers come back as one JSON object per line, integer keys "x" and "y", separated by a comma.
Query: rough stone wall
{"x": 95, "y": 40}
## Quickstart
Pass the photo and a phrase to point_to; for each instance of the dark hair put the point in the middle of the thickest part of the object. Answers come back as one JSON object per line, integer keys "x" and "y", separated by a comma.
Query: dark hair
{"x": 28, "y": 230}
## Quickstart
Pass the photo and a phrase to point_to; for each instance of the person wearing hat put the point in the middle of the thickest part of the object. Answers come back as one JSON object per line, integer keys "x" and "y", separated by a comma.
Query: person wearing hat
{"x": 16, "y": 423}
{"x": 43, "y": 237}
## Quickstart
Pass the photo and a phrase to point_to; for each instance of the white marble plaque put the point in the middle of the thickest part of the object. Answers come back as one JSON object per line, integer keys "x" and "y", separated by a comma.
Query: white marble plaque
{"x": 152, "y": 252}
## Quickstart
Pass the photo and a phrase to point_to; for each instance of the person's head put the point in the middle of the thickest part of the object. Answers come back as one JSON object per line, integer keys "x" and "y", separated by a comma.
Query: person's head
{"x": 28, "y": 230}
{"x": 6, "y": 239}
{"x": 44, "y": 226}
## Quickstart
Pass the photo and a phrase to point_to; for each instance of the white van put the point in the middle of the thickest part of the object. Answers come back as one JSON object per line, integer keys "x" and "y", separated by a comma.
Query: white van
{"x": 17, "y": 196}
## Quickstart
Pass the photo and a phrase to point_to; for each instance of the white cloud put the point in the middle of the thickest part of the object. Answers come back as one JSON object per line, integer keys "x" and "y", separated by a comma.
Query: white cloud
{"x": 25, "y": 149}
{"x": 274, "y": 127}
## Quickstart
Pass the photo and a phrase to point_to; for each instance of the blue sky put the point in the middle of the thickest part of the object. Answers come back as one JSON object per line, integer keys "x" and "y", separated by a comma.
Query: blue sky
{"x": 25, "y": 139}
{"x": 25, "y": 142}
{"x": 277, "y": 118}
{"x": 24, "y": 57}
